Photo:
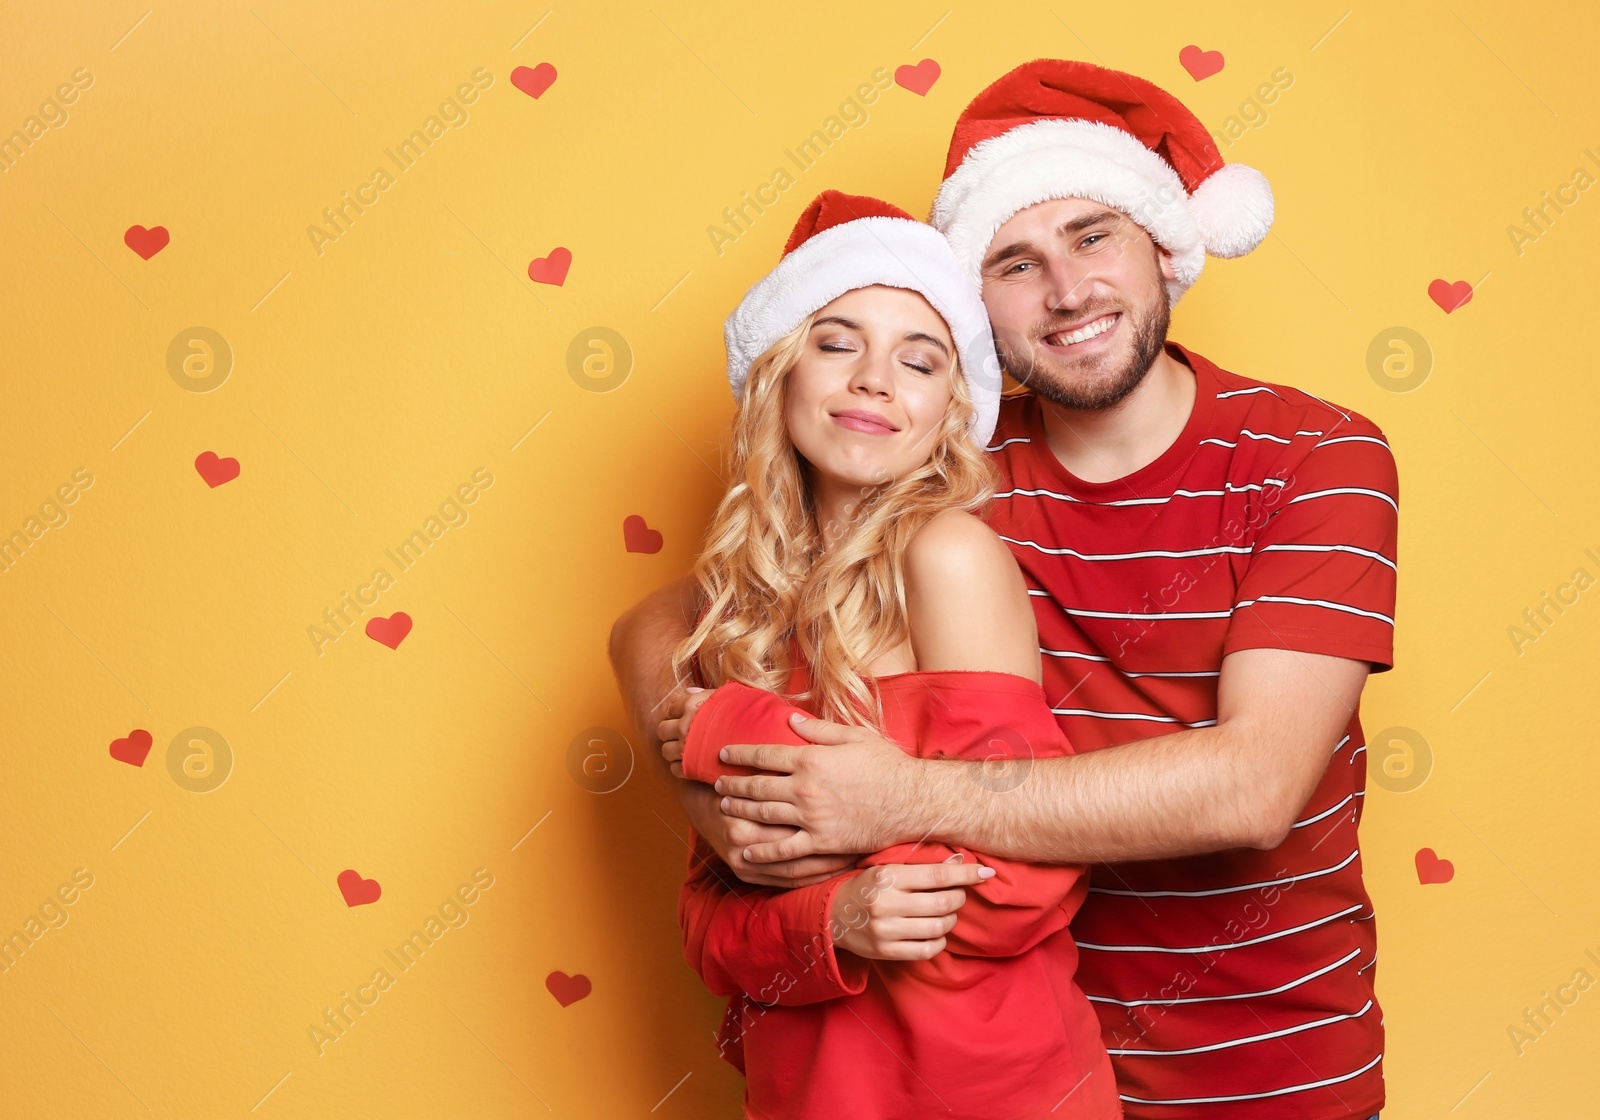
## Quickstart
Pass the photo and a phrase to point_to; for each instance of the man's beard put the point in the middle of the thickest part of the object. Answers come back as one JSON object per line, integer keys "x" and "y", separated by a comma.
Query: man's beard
{"x": 1102, "y": 384}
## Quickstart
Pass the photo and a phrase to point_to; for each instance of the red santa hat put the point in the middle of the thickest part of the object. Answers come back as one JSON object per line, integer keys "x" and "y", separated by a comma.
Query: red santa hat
{"x": 843, "y": 242}
{"x": 1059, "y": 128}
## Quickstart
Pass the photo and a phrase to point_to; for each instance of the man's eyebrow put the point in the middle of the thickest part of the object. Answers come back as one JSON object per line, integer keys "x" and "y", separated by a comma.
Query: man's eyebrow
{"x": 1074, "y": 225}
{"x": 910, "y": 336}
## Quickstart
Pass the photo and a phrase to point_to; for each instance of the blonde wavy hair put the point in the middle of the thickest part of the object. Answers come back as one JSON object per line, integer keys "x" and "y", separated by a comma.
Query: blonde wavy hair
{"x": 765, "y": 581}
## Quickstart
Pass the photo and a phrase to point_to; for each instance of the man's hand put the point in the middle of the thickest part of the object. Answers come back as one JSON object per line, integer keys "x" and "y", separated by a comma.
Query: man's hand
{"x": 902, "y": 911}
{"x": 854, "y": 793}
{"x": 731, "y": 836}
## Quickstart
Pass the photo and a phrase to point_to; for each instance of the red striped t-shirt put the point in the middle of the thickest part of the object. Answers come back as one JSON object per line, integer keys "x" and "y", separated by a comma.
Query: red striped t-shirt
{"x": 1237, "y": 984}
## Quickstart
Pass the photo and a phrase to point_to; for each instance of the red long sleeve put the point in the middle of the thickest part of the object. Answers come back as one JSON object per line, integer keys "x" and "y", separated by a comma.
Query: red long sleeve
{"x": 774, "y": 945}
{"x": 1022, "y": 905}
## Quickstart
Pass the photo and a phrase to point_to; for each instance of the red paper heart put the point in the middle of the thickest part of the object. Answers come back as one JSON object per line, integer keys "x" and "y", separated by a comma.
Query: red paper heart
{"x": 638, "y": 535}
{"x": 918, "y": 79}
{"x": 1450, "y": 296}
{"x": 568, "y": 990}
{"x": 356, "y": 890}
{"x": 535, "y": 81}
{"x": 1432, "y": 869}
{"x": 1200, "y": 64}
{"x": 214, "y": 470}
{"x": 551, "y": 269}
{"x": 390, "y": 631}
{"x": 133, "y": 749}
{"x": 146, "y": 242}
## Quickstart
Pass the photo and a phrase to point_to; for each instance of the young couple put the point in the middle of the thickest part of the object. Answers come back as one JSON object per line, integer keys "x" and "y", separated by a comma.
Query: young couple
{"x": 955, "y": 670}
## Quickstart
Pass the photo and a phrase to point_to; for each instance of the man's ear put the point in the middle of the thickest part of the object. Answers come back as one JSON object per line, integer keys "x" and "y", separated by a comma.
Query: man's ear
{"x": 1164, "y": 260}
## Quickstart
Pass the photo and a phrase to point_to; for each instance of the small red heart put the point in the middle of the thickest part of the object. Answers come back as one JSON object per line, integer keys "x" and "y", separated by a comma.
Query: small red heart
{"x": 535, "y": 81}
{"x": 146, "y": 242}
{"x": 551, "y": 269}
{"x": 390, "y": 631}
{"x": 568, "y": 990}
{"x": 638, "y": 535}
{"x": 214, "y": 470}
{"x": 1432, "y": 869}
{"x": 133, "y": 749}
{"x": 1450, "y": 296}
{"x": 1200, "y": 64}
{"x": 356, "y": 890}
{"x": 918, "y": 79}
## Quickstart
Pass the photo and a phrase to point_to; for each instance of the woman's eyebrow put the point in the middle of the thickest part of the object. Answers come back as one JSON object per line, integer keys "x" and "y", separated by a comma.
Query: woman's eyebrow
{"x": 918, "y": 336}
{"x": 910, "y": 336}
{"x": 848, "y": 324}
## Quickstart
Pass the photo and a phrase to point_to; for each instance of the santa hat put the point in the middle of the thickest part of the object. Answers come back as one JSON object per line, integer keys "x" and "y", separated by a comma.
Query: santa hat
{"x": 1058, "y": 128}
{"x": 843, "y": 242}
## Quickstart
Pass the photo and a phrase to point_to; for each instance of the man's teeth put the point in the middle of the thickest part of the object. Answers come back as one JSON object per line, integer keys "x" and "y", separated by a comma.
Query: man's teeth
{"x": 1099, "y": 326}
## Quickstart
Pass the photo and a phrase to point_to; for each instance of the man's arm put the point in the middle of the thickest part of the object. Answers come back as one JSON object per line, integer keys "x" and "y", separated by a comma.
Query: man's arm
{"x": 641, "y": 645}
{"x": 1237, "y": 784}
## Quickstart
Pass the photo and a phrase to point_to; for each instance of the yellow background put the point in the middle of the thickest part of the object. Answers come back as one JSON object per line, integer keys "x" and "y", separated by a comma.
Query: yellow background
{"x": 372, "y": 379}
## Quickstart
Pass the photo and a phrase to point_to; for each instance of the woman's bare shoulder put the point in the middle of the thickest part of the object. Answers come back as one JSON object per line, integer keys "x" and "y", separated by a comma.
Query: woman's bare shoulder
{"x": 966, "y": 599}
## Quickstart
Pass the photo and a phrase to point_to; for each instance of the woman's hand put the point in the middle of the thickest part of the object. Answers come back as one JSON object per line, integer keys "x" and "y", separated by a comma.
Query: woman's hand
{"x": 902, "y": 911}
{"x": 674, "y": 733}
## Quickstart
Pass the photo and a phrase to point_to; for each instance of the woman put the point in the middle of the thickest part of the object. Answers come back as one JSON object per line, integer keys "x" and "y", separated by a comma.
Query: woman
{"x": 845, "y": 569}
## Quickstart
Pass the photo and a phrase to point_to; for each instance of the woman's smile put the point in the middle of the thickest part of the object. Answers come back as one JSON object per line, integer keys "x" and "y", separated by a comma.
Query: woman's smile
{"x": 861, "y": 420}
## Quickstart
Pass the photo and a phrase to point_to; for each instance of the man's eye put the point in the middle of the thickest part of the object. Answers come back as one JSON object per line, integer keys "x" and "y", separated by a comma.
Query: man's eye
{"x": 1094, "y": 237}
{"x": 1019, "y": 264}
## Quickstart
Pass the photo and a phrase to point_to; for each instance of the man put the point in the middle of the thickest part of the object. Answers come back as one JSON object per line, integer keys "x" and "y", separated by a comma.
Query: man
{"x": 1212, "y": 559}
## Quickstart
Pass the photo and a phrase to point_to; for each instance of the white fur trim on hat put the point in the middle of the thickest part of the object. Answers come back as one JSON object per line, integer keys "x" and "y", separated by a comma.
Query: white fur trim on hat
{"x": 895, "y": 252}
{"x": 1233, "y": 208}
{"x": 1049, "y": 159}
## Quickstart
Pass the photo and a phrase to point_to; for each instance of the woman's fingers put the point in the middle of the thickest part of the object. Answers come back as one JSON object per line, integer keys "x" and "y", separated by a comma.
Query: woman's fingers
{"x": 937, "y": 876}
{"x": 912, "y": 929}
{"x": 910, "y": 950}
{"x": 924, "y": 904}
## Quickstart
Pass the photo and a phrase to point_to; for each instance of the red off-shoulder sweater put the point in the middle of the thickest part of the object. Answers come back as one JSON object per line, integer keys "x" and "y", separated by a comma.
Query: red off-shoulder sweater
{"x": 993, "y": 1028}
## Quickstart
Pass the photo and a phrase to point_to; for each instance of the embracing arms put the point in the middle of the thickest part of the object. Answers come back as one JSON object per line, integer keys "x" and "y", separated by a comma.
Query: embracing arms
{"x": 1238, "y": 784}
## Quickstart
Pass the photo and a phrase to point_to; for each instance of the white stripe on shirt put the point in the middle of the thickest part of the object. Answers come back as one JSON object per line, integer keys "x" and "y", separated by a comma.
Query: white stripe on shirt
{"x": 1378, "y": 556}
{"x": 1231, "y": 1043}
{"x": 1090, "y": 713}
{"x": 1155, "y": 552}
{"x": 1326, "y": 1081}
{"x": 1340, "y": 866}
{"x": 1346, "y": 490}
{"x": 1219, "y": 948}
{"x": 1329, "y": 604}
{"x": 1280, "y": 989}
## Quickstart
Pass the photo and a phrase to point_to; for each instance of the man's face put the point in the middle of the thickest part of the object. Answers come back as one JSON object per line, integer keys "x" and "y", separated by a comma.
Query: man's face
{"x": 1077, "y": 298}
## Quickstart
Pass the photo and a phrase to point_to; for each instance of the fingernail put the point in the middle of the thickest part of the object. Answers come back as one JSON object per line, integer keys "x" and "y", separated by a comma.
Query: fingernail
{"x": 725, "y": 803}
{"x": 795, "y": 717}
{"x": 986, "y": 872}
{"x": 723, "y": 754}
{"x": 717, "y": 785}
{"x": 692, "y": 688}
